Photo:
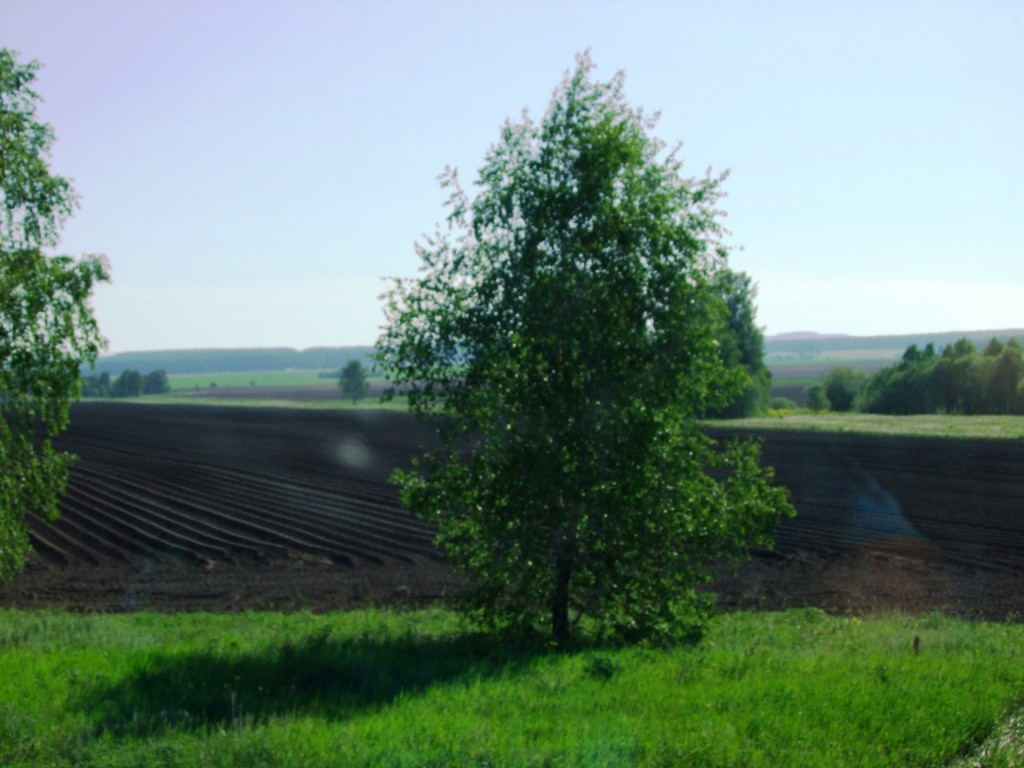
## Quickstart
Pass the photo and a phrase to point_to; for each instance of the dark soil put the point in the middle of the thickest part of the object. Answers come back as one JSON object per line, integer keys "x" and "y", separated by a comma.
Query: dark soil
{"x": 177, "y": 508}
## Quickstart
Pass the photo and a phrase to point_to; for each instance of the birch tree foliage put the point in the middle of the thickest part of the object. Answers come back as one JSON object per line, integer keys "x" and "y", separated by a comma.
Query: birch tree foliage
{"x": 561, "y": 338}
{"x": 47, "y": 329}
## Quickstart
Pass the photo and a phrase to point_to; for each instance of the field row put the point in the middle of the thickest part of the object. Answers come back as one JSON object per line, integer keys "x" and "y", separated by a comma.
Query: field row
{"x": 216, "y": 485}
{"x": 250, "y": 494}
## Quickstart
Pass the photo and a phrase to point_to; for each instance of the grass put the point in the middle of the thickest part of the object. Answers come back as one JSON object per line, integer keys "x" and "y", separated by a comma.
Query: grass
{"x": 193, "y": 381}
{"x": 795, "y": 381}
{"x": 419, "y": 689}
{"x": 931, "y": 425}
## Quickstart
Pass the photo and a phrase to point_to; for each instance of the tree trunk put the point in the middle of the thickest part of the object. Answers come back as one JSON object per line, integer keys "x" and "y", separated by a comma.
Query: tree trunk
{"x": 564, "y": 555}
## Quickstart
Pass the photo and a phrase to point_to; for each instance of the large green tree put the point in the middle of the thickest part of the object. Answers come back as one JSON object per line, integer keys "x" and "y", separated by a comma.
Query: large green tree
{"x": 562, "y": 338}
{"x": 47, "y": 329}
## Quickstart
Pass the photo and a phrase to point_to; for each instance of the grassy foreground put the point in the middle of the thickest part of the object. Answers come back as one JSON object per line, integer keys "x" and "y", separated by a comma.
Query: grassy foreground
{"x": 371, "y": 688}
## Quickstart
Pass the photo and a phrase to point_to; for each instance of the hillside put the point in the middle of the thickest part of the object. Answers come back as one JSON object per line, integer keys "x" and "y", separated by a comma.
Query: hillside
{"x": 233, "y": 360}
{"x": 808, "y": 347}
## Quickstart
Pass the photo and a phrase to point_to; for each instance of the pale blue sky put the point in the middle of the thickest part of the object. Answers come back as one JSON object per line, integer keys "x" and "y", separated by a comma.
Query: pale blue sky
{"x": 252, "y": 169}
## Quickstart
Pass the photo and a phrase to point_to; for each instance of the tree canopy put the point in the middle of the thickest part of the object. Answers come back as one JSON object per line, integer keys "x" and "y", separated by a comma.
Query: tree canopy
{"x": 47, "y": 329}
{"x": 563, "y": 339}
{"x": 842, "y": 385}
{"x": 741, "y": 345}
{"x": 352, "y": 383}
{"x": 959, "y": 380}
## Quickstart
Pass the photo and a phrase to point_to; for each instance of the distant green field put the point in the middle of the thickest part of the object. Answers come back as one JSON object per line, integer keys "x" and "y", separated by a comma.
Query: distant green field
{"x": 184, "y": 381}
{"x": 931, "y": 425}
{"x": 184, "y": 397}
{"x": 208, "y": 361}
{"x": 794, "y": 381}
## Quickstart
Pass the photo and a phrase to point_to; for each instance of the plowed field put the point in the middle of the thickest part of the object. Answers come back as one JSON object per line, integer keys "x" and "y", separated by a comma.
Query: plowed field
{"x": 213, "y": 508}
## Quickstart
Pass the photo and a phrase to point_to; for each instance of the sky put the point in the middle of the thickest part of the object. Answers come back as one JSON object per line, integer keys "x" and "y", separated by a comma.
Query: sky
{"x": 252, "y": 170}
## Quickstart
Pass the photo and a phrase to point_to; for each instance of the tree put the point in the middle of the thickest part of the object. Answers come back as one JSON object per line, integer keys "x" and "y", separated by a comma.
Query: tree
{"x": 902, "y": 389}
{"x": 842, "y": 385}
{"x": 96, "y": 386}
{"x": 128, "y": 384}
{"x": 562, "y": 340}
{"x": 353, "y": 382}
{"x": 1004, "y": 386}
{"x": 955, "y": 377}
{"x": 156, "y": 383}
{"x": 741, "y": 345}
{"x": 47, "y": 330}
{"x": 816, "y": 398}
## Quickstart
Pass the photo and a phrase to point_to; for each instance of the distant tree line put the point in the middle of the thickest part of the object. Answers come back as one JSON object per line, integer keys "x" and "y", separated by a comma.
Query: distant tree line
{"x": 130, "y": 383}
{"x": 960, "y": 379}
{"x": 233, "y": 360}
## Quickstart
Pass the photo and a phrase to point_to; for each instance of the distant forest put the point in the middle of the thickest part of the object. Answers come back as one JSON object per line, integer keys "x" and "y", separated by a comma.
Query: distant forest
{"x": 233, "y": 360}
{"x": 960, "y": 379}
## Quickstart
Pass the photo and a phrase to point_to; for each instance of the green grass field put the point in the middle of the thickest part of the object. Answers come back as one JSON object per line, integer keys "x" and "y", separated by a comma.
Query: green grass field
{"x": 270, "y": 401}
{"x": 932, "y": 425}
{"x": 192, "y": 381}
{"x": 202, "y": 389}
{"x": 419, "y": 689}
{"x": 796, "y": 381}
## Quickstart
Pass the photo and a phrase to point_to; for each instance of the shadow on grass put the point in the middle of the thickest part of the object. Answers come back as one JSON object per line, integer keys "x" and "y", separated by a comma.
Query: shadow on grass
{"x": 318, "y": 675}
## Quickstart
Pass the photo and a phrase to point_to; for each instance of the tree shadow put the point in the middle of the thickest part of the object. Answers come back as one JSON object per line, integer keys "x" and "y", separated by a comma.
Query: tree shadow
{"x": 318, "y": 675}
